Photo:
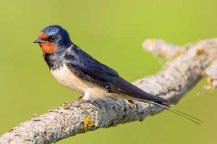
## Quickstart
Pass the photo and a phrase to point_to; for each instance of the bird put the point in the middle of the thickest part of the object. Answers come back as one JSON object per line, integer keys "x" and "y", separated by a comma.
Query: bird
{"x": 77, "y": 70}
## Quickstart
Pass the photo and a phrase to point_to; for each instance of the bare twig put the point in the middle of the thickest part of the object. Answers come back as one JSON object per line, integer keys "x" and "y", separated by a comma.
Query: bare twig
{"x": 176, "y": 78}
{"x": 162, "y": 48}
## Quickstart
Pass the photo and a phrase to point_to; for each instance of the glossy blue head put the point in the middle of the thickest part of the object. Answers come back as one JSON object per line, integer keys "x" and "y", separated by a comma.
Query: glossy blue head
{"x": 52, "y": 38}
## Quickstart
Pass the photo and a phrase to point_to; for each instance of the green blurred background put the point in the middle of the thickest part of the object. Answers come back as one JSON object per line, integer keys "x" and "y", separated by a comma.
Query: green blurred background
{"x": 111, "y": 31}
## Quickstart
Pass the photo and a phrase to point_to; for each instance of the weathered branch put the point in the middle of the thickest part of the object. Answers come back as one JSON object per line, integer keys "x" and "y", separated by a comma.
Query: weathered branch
{"x": 162, "y": 48}
{"x": 176, "y": 78}
{"x": 211, "y": 72}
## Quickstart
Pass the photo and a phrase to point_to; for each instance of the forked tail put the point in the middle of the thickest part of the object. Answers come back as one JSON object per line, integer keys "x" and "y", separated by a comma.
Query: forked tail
{"x": 182, "y": 114}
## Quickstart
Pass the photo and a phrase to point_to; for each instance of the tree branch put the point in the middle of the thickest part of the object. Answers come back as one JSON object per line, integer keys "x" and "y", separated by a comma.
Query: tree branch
{"x": 211, "y": 72}
{"x": 172, "y": 82}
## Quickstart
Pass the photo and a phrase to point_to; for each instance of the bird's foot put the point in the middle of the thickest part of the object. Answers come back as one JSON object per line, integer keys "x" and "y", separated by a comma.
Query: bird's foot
{"x": 78, "y": 102}
{"x": 132, "y": 104}
{"x": 80, "y": 98}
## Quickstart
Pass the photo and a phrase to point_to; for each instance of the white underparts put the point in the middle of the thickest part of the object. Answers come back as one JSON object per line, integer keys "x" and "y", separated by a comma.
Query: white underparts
{"x": 68, "y": 79}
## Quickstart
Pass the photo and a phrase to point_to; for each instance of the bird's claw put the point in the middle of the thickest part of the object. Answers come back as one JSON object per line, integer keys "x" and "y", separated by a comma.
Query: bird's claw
{"x": 78, "y": 102}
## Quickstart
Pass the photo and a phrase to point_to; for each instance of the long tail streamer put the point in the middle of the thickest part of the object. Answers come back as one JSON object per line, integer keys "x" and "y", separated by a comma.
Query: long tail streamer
{"x": 182, "y": 114}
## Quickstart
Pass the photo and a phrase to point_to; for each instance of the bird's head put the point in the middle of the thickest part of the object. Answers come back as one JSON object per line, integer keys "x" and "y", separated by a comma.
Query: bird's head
{"x": 52, "y": 38}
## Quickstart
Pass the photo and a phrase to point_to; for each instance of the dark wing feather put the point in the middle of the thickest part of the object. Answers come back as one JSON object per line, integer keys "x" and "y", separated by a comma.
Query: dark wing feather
{"x": 87, "y": 68}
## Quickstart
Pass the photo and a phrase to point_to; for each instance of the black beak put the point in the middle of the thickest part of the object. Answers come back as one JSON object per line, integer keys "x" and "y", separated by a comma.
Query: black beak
{"x": 38, "y": 41}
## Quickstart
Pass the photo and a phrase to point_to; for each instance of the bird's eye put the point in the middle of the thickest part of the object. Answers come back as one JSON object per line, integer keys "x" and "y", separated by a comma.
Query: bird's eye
{"x": 52, "y": 38}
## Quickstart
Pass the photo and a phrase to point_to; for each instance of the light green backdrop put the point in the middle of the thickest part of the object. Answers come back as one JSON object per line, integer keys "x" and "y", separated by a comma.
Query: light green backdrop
{"x": 111, "y": 31}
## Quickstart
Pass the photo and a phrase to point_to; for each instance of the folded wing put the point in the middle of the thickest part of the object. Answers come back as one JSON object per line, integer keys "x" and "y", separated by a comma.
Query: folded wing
{"x": 87, "y": 68}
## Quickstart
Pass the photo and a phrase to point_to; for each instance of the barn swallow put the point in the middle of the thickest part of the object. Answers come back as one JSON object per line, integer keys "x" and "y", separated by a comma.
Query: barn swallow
{"x": 77, "y": 70}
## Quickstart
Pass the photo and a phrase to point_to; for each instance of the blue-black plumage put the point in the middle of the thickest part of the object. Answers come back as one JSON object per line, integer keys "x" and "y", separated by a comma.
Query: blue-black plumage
{"x": 77, "y": 70}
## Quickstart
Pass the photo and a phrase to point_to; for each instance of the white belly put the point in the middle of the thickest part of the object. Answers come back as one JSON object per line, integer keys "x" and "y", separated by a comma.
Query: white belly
{"x": 67, "y": 78}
